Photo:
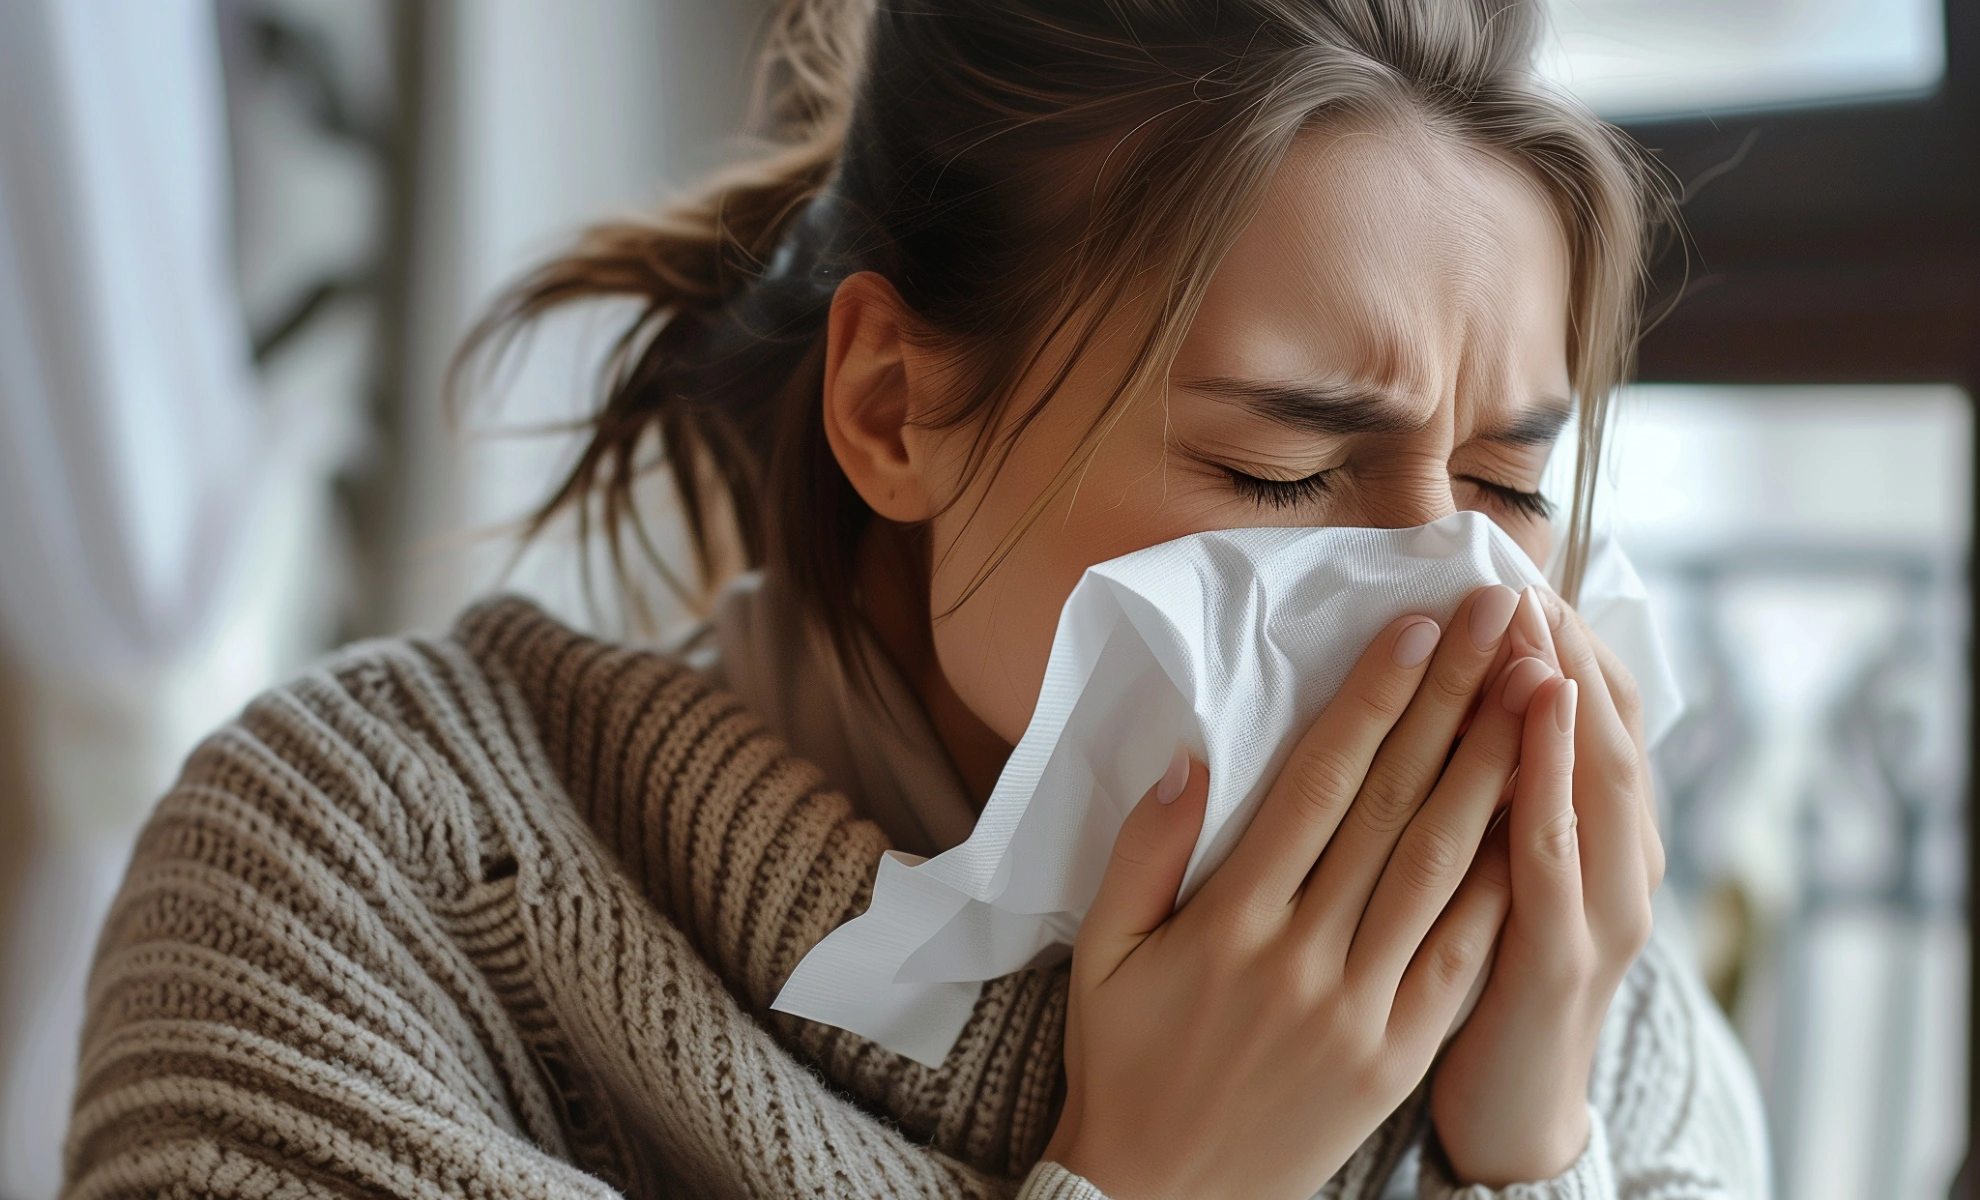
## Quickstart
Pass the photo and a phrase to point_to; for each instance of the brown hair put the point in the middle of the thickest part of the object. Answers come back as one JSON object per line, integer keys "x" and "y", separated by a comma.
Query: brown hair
{"x": 927, "y": 140}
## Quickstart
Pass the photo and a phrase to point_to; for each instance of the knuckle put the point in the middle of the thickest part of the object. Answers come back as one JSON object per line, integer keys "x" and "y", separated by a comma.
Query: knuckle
{"x": 1565, "y": 966}
{"x": 1431, "y": 859}
{"x": 1337, "y": 1025}
{"x": 1375, "y": 1073}
{"x": 1453, "y": 688}
{"x": 1252, "y": 923}
{"x": 1293, "y": 980}
{"x": 1654, "y": 862}
{"x": 1356, "y": 1028}
{"x": 1452, "y": 961}
{"x": 1387, "y": 799}
{"x": 1632, "y": 931}
{"x": 1378, "y": 702}
{"x": 1495, "y": 749}
{"x": 1383, "y": 698}
{"x": 1326, "y": 776}
{"x": 1556, "y": 840}
{"x": 1491, "y": 873}
{"x": 1361, "y": 1073}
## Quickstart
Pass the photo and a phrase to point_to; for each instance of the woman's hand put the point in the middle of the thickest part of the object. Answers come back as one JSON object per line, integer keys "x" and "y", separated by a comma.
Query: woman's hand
{"x": 1510, "y": 1099}
{"x": 1246, "y": 1044}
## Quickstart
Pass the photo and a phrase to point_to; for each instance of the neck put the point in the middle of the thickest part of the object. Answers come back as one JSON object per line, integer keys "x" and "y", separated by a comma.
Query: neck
{"x": 893, "y": 595}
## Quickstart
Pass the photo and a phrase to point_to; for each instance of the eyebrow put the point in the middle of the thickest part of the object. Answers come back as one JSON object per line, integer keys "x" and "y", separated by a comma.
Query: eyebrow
{"x": 1337, "y": 410}
{"x": 1328, "y": 409}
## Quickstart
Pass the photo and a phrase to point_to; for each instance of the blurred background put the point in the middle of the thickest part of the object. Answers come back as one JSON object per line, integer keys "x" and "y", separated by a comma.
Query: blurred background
{"x": 239, "y": 240}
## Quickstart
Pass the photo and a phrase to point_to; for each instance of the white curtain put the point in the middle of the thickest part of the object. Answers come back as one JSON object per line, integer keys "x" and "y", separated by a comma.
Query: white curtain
{"x": 132, "y": 447}
{"x": 129, "y": 431}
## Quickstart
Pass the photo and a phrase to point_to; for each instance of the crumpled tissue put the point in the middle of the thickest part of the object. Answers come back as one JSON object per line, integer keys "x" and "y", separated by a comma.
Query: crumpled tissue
{"x": 1229, "y": 643}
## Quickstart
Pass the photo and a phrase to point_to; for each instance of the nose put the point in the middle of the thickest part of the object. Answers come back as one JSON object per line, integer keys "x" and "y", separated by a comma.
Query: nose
{"x": 1405, "y": 494}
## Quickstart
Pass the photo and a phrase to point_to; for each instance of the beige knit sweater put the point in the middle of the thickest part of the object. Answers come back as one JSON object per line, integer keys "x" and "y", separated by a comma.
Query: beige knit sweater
{"x": 501, "y": 915}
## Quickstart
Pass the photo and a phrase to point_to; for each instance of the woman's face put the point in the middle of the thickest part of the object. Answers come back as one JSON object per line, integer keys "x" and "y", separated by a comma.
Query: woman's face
{"x": 1385, "y": 344}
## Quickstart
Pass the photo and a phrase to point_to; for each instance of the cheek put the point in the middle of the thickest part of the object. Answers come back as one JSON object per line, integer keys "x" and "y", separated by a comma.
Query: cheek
{"x": 993, "y": 649}
{"x": 1534, "y": 537}
{"x": 993, "y": 646}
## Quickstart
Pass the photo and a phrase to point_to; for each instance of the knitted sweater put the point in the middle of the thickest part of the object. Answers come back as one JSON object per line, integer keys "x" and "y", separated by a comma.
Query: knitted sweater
{"x": 502, "y": 914}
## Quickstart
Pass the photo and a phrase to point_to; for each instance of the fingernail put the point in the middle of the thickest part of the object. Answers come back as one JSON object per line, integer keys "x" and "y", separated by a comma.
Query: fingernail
{"x": 1415, "y": 642}
{"x": 1564, "y": 706}
{"x": 1491, "y": 613}
{"x": 1174, "y": 778}
{"x": 1529, "y": 626}
{"x": 1524, "y": 678}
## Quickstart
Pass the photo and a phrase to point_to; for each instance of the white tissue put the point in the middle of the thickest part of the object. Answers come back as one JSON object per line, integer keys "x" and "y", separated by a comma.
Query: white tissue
{"x": 1229, "y": 643}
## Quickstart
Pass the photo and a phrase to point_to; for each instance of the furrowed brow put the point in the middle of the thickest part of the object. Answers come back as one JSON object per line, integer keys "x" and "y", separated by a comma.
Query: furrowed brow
{"x": 1328, "y": 409}
{"x": 1540, "y": 425}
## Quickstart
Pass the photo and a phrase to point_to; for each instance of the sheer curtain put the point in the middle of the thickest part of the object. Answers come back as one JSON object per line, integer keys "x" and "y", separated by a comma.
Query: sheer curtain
{"x": 135, "y": 462}
{"x": 171, "y": 536}
{"x": 133, "y": 456}
{"x": 129, "y": 431}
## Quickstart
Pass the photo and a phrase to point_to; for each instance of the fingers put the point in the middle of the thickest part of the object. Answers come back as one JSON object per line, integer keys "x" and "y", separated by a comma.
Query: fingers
{"x": 1326, "y": 769}
{"x": 1138, "y": 891}
{"x": 1444, "y": 968}
{"x": 1414, "y": 756}
{"x": 1629, "y": 705}
{"x": 1622, "y": 688}
{"x": 1546, "y": 853}
{"x": 1576, "y": 659}
{"x": 1435, "y": 850}
{"x": 1615, "y": 800}
{"x": 1531, "y": 629}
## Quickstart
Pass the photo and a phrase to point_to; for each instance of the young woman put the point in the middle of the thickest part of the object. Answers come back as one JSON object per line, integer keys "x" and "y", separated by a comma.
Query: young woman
{"x": 1030, "y": 285}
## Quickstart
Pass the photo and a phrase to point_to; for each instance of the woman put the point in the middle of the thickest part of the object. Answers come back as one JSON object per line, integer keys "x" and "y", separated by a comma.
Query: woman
{"x": 1031, "y": 285}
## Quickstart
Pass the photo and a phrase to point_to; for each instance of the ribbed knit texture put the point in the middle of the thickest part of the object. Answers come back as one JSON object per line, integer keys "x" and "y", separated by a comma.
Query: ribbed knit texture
{"x": 502, "y": 915}
{"x": 1591, "y": 1177}
{"x": 1050, "y": 1181}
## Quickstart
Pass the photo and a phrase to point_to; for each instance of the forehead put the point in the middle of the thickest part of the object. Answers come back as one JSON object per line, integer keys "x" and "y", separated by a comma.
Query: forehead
{"x": 1388, "y": 255}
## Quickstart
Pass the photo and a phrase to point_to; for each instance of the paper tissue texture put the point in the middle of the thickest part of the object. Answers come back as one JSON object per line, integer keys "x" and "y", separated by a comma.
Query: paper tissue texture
{"x": 1229, "y": 643}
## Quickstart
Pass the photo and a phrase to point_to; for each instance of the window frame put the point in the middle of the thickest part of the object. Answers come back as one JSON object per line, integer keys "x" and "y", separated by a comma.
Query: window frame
{"x": 1836, "y": 244}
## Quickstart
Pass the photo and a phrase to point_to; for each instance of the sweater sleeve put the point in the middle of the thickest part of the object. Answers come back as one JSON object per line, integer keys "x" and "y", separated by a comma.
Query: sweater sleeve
{"x": 363, "y": 949}
{"x": 1674, "y": 1113}
{"x": 1590, "y": 1178}
{"x": 1050, "y": 1181}
{"x": 276, "y": 1010}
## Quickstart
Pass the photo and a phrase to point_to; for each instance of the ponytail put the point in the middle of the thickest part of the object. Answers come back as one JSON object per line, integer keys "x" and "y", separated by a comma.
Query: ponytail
{"x": 701, "y": 368}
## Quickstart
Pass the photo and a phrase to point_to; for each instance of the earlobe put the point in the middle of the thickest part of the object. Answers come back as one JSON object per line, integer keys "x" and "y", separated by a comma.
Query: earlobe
{"x": 870, "y": 400}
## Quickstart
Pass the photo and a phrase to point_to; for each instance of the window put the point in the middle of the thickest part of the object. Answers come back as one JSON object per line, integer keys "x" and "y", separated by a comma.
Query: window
{"x": 1805, "y": 548}
{"x": 1809, "y": 532}
{"x": 1636, "y": 58}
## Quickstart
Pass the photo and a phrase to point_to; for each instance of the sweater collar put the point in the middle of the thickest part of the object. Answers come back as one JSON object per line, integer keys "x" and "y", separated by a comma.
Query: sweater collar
{"x": 880, "y": 750}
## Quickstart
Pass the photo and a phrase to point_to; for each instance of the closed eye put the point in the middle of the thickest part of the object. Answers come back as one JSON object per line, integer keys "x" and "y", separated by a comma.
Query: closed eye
{"x": 1531, "y": 504}
{"x": 1279, "y": 493}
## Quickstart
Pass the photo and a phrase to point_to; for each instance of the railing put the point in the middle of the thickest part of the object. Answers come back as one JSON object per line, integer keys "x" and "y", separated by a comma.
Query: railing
{"x": 1813, "y": 818}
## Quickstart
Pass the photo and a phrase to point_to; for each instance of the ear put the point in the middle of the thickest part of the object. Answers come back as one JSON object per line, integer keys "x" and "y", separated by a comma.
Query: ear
{"x": 876, "y": 383}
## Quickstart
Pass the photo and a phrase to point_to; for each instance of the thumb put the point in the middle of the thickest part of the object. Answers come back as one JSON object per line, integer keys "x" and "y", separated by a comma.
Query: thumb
{"x": 1138, "y": 892}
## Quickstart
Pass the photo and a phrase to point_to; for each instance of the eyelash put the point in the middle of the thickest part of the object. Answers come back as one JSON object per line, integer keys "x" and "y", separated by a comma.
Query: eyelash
{"x": 1530, "y": 504}
{"x": 1279, "y": 493}
{"x": 1291, "y": 493}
